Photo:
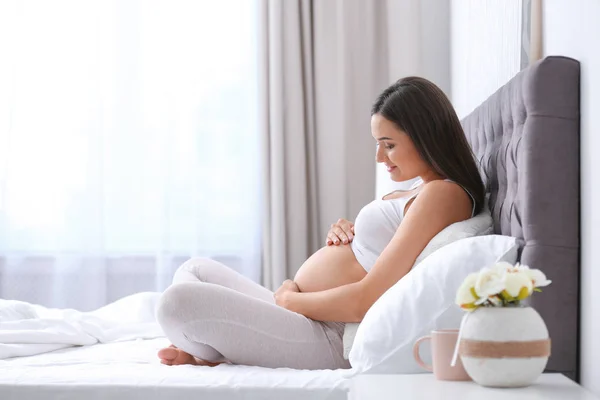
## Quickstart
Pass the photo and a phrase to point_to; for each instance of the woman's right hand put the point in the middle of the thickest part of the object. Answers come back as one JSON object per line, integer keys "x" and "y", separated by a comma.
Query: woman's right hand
{"x": 341, "y": 232}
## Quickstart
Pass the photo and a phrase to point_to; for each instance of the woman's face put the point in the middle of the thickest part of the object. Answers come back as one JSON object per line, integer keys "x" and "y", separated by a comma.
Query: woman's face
{"x": 397, "y": 151}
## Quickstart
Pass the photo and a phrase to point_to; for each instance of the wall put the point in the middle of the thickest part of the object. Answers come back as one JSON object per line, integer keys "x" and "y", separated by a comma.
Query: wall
{"x": 486, "y": 49}
{"x": 571, "y": 28}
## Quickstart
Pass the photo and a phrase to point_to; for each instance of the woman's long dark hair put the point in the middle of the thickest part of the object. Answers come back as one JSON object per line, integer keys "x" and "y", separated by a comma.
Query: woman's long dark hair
{"x": 422, "y": 110}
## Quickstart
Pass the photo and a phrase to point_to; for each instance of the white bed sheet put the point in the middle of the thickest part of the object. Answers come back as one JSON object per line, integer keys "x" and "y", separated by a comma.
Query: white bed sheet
{"x": 130, "y": 370}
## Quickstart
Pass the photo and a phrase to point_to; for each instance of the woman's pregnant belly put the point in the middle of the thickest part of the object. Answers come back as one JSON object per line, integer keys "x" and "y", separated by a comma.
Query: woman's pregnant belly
{"x": 329, "y": 267}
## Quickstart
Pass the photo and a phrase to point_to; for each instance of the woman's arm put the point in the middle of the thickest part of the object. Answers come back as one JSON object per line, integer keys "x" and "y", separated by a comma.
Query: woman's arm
{"x": 338, "y": 304}
{"x": 438, "y": 205}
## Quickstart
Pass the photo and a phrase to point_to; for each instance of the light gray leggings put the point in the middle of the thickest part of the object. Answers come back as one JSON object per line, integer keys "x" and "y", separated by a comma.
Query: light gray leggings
{"x": 217, "y": 314}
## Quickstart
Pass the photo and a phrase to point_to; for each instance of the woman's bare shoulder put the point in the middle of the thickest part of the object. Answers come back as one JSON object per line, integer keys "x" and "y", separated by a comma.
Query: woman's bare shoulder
{"x": 447, "y": 195}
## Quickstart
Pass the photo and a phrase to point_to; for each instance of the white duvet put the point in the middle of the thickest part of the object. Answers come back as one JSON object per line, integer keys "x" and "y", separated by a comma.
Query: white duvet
{"x": 27, "y": 329}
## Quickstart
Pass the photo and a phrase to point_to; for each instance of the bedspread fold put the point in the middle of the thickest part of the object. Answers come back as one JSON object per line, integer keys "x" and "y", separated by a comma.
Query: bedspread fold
{"x": 28, "y": 329}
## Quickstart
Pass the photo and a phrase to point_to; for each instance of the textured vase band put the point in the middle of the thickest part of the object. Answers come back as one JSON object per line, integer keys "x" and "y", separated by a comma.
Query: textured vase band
{"x": 486, "y": 349}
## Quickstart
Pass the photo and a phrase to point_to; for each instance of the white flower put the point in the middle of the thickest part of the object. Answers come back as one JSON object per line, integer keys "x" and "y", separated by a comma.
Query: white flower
{"x": 500, "y": 285}
{"x": 503, "y": 266}
{"x": 465, "y": 295}
{"x": 518, "y": 284}
{"x": 490, "y": 282}
{"x": 538, "y": 278}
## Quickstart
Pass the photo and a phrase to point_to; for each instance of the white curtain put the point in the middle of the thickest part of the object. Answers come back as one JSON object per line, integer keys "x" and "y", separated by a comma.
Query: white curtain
{"x": 418, "y": 43}
{"x": 128, "y": 143}
{"x": 486, "y": 49}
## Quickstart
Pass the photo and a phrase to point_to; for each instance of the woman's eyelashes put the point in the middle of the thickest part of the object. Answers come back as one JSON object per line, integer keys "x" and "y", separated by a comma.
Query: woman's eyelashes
{"x": 387, "y": 146}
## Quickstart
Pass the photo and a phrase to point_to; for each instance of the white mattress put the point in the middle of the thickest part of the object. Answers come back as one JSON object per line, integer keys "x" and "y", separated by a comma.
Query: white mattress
{"x": 130, "y": 370}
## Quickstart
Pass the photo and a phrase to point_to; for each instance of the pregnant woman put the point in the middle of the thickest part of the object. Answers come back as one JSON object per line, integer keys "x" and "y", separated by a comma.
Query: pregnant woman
{"x": 212, "y": 314}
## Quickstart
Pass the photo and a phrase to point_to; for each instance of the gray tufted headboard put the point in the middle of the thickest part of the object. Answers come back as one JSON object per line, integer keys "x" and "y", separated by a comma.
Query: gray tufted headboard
{"x": 526, "y": 137}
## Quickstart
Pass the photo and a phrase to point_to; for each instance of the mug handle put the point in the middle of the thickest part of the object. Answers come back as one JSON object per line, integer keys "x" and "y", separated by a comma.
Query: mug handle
{"x": 418, "y": 356}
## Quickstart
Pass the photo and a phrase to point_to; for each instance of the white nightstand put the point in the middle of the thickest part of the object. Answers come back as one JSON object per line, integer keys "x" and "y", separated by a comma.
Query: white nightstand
{"x": 426, "y": 387}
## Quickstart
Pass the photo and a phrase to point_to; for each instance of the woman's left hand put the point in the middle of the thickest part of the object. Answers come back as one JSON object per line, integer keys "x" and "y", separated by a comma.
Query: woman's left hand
{"x": 281, "y": 293}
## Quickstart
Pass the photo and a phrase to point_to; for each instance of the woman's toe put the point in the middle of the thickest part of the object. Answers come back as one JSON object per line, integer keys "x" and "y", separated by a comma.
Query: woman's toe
{"x": 168, "y": 353}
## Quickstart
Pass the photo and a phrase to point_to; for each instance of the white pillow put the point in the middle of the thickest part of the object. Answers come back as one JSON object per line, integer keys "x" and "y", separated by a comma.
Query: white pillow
{"x": 481, "y": 224}
{"x": 421, "y": 301}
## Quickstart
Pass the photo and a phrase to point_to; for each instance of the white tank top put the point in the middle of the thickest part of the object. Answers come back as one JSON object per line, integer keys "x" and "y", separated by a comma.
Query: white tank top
{"x": 376, "y": 224}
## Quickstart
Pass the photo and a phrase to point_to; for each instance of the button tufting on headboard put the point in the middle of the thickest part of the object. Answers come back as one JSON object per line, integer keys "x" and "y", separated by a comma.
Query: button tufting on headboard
{"x": 526, "y": 138}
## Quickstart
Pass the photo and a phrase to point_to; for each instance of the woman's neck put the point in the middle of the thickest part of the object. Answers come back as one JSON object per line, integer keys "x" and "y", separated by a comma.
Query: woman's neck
{"x": 431, "y": 176}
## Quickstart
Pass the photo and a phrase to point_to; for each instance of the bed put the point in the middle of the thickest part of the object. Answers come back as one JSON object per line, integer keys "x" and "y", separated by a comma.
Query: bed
{"x": 526, "y": 137}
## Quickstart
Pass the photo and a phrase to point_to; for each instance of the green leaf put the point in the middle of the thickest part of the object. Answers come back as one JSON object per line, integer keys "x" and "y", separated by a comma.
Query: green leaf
{"x": 537, "y": 289}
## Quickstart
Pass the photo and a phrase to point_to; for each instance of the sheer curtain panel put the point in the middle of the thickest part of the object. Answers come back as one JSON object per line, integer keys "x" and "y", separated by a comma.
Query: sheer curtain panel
{"x": 128, "y": 143}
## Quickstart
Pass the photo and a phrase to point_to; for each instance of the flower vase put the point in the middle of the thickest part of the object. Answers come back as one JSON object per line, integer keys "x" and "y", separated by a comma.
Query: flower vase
{"x": 504, "y": 346}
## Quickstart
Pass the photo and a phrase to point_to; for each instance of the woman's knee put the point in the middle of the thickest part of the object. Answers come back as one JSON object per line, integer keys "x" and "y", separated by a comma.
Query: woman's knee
{"x": 202, "y": 268}
{"x": 174, "y": 302}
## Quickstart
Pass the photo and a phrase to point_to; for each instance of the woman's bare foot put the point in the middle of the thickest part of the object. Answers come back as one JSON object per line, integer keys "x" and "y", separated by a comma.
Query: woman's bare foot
{"x": 173, "y": 356}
